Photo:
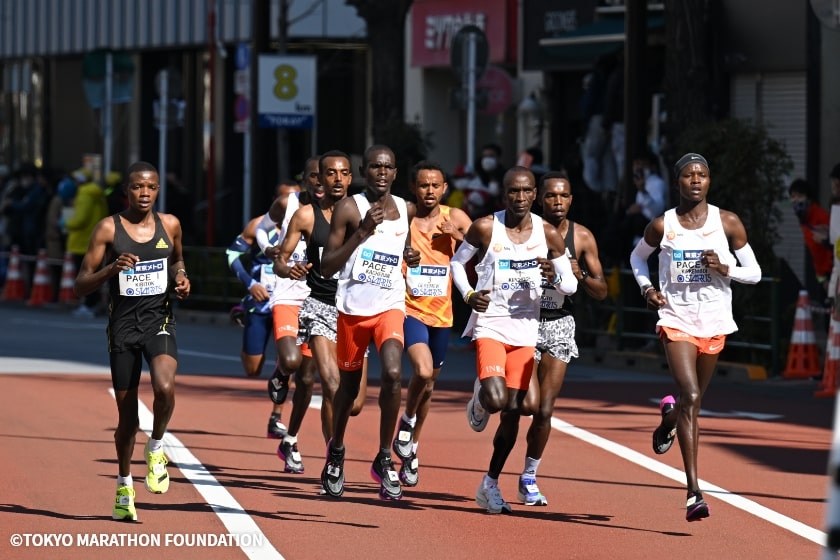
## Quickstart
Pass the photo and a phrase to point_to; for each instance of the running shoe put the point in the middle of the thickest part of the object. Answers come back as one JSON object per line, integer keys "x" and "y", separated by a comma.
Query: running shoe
{"x": 276, "y": 428}
{"x": 124, "y": 505}
{"x": 476, "y": 415}
{"x": 237, "y": 315}
{"x": 332, "y": 475}
{"x": 278, "y": 387}
{"x": 402, "y": 442}
{"x": 695, "y": 507}
{"x": 491, "y": 499}
{"x": 410, "y": 471}
{"x": 382, "y": 471}
{"x": 289, "y": 453}
{"x": 662, "y": 437}
{"x": 157, "y": 479}
{"x": 529, "y": 493}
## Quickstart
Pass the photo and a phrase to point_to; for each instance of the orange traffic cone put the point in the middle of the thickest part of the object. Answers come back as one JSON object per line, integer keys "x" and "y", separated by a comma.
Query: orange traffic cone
{"x": 42, "y": 291}
{"x": 14, "y": 290}
{"x": 68, "y": 279}
{"x": 828, "y": 386}
{"x": 803, "y": 359}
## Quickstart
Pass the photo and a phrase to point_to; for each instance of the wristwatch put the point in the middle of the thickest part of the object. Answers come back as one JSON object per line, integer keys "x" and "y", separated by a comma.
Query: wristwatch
{"x": 583, "y": 275}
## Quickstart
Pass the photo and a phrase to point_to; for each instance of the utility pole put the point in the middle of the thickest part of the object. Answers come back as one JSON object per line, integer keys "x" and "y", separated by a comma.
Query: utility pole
{"x": 261, "y": 143}
{"x": 283, "y": 133}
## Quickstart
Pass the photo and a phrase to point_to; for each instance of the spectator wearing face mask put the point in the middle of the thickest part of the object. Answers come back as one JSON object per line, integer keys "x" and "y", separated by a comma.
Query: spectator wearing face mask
{"x": 814, "y": 220}
{"x": 485, "y": 187}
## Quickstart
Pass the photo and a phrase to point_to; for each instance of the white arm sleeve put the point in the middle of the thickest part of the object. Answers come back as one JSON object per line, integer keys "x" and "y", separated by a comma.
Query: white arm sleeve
{"x": 263, "y": 228}
{"x": 563, "y": 270}
{"x": 638, "y": 262}
{"x": 748, "y": 271}
{"x": 457, "y": 265}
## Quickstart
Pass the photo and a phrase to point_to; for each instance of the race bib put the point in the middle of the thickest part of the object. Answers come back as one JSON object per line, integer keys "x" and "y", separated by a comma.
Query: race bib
{"x": 267, "y": 277}
{"x": 518, "y": 281}
{"x": 375, "y": 267}
{"x": 686, "y": 268}
{"x": 551, "y": 298}
{"x": 147, "y": 278}
{"x": 428, "y": 280}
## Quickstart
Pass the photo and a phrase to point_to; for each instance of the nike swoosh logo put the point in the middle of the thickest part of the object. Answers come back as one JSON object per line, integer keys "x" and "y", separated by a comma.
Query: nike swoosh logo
{"x": 398, "y": 233}
{"x": 708, "y": 233}
{"x": 714, "y": 348}
{"x": 532, "y": 247}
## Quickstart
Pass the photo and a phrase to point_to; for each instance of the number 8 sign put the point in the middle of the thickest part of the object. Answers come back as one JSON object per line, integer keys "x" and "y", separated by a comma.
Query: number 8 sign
{"x": 287, "y": 91}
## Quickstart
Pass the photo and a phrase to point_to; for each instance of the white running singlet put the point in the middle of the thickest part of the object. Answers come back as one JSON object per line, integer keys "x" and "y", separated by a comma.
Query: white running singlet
{"x": 698, "y": 301}
{"x": 371, "y": 281}
{"x": 286, "y": 290}
{"x": 512, "y": 274}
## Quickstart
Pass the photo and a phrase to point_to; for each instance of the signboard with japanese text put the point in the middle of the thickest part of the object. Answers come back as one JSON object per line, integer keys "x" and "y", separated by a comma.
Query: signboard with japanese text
{"x": 434, "y": 24}
{"x": 287, "y": 91}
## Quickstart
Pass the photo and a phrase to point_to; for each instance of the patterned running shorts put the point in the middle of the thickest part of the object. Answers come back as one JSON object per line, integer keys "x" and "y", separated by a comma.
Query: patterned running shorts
{"x": 557, "y": 337}
{"x": 317, "y": 318}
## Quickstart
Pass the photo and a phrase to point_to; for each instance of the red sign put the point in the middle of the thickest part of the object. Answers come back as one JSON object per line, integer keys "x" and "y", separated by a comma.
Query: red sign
{"x": 499, "y": 90}
{"x": 435, "y": 22}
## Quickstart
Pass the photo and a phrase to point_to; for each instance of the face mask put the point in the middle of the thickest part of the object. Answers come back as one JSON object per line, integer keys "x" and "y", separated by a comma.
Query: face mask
{"x": 488, "y": 163}
{"x": 800, "y": 207}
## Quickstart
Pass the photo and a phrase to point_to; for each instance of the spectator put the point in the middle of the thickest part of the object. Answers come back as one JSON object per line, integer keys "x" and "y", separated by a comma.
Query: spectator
{"x": 814, "y": 221}
{"x": 89, "y": 207}
{"x": 25, "y": 205}
{"x": 58, "y": 211}
{"x": 483, "y": 190}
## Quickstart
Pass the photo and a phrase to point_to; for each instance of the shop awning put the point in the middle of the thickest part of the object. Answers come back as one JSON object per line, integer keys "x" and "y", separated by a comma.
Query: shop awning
{"x": 588, "y": 42}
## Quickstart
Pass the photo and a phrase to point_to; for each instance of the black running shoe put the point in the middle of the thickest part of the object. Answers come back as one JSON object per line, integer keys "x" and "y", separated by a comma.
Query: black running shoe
{"x": 237, "y": 315}
{"x": 276, "y": 428}
{"x": 695, "y": 507}
{"x": 410, "y": 471}
{"x": 663, "y": 438}
{"x": 288, "y": 452}
{"x": 402, "y": 441}
{"x": 278, "y": 387}
{"x": 382, "y": 471}
{"x": 332, "y": 475}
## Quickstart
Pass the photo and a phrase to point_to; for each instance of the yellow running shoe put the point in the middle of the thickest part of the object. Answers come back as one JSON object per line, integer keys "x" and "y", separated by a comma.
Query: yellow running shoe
{"x": 157, "y": 479}
{"x": 124, "y": 505}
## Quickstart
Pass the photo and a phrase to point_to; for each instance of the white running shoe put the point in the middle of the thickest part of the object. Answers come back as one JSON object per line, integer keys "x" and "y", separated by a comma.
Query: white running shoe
{"x": 491, "y": 499}
{"x": 476, "y": 415}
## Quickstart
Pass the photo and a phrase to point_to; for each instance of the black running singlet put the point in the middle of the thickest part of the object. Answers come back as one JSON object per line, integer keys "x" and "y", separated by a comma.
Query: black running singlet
{"x": 568, "y": 305}
{"x": 322, "y": 289}
{"x": 139, "y": 298}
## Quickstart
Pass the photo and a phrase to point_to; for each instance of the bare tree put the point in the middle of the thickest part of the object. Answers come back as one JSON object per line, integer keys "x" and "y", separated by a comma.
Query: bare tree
{"x": 385, "y": 21}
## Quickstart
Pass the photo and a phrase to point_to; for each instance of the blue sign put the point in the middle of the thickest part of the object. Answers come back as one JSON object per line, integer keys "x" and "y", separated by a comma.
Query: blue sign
{"x": 243, "y": 56}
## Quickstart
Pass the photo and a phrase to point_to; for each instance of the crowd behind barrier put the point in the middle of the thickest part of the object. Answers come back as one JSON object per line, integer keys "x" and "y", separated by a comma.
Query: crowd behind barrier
{"x": 621, "y": 320}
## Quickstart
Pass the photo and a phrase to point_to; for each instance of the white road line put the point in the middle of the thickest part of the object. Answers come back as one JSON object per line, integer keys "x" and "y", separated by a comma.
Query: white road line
{"x": 232, "y": 515}
{"x": 774, "y": 517}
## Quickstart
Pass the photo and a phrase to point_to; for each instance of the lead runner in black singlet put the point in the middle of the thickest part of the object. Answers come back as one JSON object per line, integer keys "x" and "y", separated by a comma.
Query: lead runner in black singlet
{"x": 138, "y": 252}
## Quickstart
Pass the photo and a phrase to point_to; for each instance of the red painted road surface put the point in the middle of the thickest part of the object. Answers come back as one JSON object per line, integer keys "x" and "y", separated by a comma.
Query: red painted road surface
{"x": 605, "y": 501}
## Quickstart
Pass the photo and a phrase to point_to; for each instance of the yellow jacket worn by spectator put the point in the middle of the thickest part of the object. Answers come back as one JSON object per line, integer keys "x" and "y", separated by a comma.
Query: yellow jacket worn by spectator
{"x": 90, "y": 207}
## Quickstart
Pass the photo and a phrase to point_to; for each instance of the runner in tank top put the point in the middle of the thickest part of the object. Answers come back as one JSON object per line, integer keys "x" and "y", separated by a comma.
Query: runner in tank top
{"x": 369, "y": 239}
{"x": 318, "y": 314}
{"x": 556, "y": 344}
{"x": 435, "y": 232}
{"x": 260, "y": 282}
{"x": 138, "y": 252}
{"x": 512, "y": 245}
{"x": 702, "y": 249}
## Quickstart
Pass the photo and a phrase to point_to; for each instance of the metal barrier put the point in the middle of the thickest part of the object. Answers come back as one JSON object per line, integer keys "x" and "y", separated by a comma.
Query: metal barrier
{"x": 216, "y": 288}
{"x": 757, "y": 334}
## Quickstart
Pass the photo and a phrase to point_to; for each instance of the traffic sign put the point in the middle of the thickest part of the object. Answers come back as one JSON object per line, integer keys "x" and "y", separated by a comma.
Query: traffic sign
{"x": 460, "y": 55}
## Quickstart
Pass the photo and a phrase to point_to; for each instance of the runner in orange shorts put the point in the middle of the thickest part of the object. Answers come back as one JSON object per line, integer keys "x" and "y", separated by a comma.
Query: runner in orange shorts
{"x": 512, "y": 246}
